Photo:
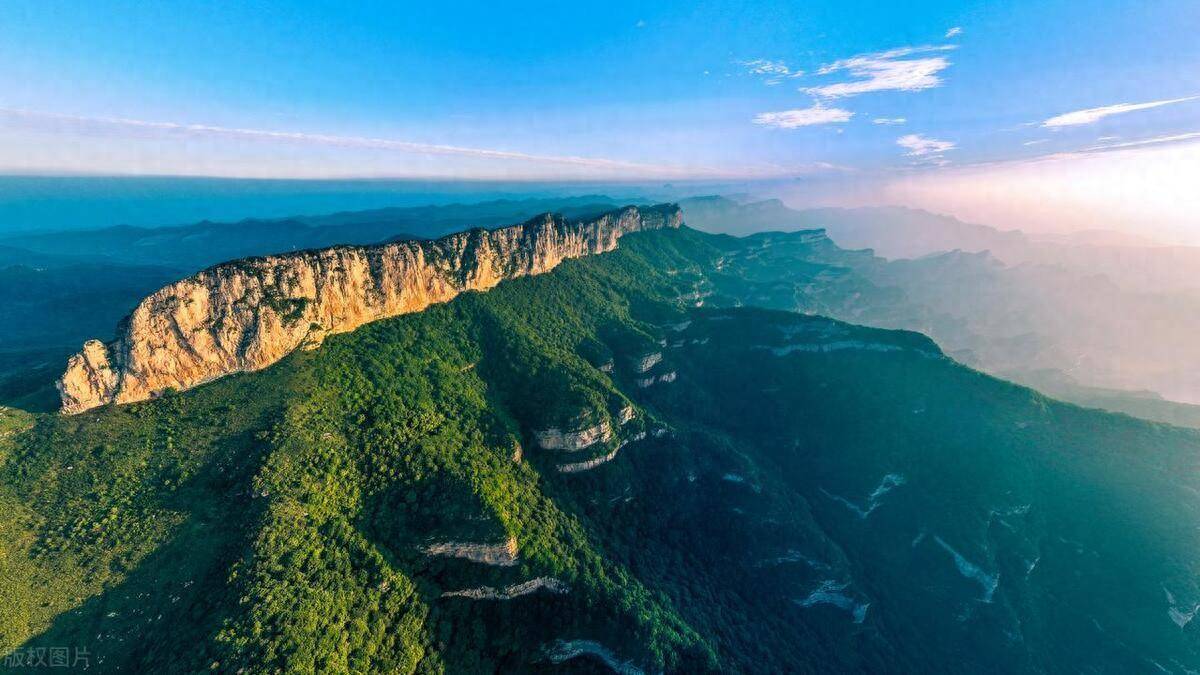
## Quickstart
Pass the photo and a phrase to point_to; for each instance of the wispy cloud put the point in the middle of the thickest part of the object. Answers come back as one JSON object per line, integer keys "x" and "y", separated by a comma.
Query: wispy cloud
{"x": 886, "y": 71}
{"x": 890, "y": 121}
{"x": 122, "y": 127}
{"x": 1157, "y": 140}
{"x": 921, "y": 146}
{"x": 1092, "y": 115}
{"x": 773, "y": 72}
{"x": 953, "y": 32}
{"x": 791, "y": 119}
{"x": 1038, "y": 141}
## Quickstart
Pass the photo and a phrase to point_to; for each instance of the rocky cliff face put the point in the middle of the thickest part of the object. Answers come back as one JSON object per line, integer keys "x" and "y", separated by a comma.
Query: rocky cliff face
{"x": 247, "y": 314}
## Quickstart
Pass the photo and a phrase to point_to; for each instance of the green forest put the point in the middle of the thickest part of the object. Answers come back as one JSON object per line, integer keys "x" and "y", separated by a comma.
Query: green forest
{"x": 791, "y": 494}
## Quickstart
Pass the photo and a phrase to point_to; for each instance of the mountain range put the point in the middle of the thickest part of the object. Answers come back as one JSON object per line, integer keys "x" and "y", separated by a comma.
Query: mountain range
{"x": 1085, "y": 321}
{"x": 637, "y": 461}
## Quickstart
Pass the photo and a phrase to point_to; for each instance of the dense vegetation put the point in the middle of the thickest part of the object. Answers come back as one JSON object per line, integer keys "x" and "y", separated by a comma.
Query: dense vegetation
{"x": 801, "y": 495}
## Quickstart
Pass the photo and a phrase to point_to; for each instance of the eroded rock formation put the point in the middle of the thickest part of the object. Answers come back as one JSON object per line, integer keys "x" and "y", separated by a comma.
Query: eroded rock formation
{"x": 547, "y": 584}
{"x": 648, "y": 361}
{"x": 503, "y": 554}
{"x": 247, "y": 314}
{"x": 574, "y": 441}
{"x": 565, "y": 650}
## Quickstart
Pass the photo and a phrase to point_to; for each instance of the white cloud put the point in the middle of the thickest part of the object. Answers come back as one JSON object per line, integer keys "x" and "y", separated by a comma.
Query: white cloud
{"x": 791, "y": 119}
{"x": 1096, "y": 114}
{"x": 953, "y": 32}
{"x": 920, "y": 146}
{"x": 885, "y": 71}
{"x": 889, "y": 120}
{"x": 1157, "y": 140}
{"x": 774, "y": 72}
{"x": 101, "y": 127}
{"x": 1035, "y": 142}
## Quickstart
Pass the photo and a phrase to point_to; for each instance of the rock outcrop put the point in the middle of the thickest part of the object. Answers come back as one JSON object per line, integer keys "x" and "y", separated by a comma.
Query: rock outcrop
{"x": 648, "y": 361}
{"x": 565, "y": 650}
{"x": 649, "y": 381}
{"x": 547, "y": 584}
{"x": 626, "y": 415}
{"x": 574, "y": 441}
{"x": 248, "y": 314}
{"x": 502, "y": 554}
{"x": 576, "y": 467}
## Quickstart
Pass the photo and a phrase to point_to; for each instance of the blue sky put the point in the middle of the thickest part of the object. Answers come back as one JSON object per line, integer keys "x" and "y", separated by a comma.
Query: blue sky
{"x": 603, "y": 90}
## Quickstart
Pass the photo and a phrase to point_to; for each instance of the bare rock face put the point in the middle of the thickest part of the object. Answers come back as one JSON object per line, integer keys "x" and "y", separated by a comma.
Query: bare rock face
{"x": 89, "y": 376}
{"x": 652, "y": 379}
{"x": 502, "y": 554}
{"x": 247, "y": 314}
{"x": 648, "y": 361}
{"x": 565, "y": 650}
{"x": 576, "y": 467}
{"x": 547, "y": 584}
{"x": 626, "y": 415}
{"x": 574, "y": 441}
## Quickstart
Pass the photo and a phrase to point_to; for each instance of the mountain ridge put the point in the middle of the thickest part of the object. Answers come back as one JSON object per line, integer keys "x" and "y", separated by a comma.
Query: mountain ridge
{"x": 247, "y": 314}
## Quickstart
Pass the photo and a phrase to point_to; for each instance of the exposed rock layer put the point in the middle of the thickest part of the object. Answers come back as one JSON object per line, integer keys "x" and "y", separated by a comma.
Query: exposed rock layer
{"x": 503, "y": 554}
{"x": 548, "y": 584}
{"x": 246, "y": 315}
{"x": 574, "y": 441}
{"x": 565, "y": 650}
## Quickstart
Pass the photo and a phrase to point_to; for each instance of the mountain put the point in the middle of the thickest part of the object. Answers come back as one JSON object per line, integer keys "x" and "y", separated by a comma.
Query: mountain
{"x": 58, "y": 289}
{"x": 1043, "y": 312}
{"x": 199, "y": 245}
{"x": 1032, "y": 317}
{"x": 1015, "y": 321}
{"x": 891, "y": 231}
{"x": 620, "y": 465}
{"x": 1144, "y": 404}
{"x": 897, "y": 232}
{"x": 250, "y": 313}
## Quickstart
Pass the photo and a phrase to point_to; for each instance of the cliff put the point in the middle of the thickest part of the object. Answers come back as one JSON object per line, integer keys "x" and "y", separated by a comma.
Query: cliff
{"x": 247, "y": 314}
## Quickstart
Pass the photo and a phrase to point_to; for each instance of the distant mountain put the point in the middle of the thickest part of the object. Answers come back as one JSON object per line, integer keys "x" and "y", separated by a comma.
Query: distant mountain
{"x": 1097, "y": 238}
{"x": 192, "y": 247}
{"x": 891, "y": 231}
{"x": 1012, "y": 305}
{"x": 618, "y": 466}
{"x": 1147, "y": 405}
{"x": 897, "y": 232}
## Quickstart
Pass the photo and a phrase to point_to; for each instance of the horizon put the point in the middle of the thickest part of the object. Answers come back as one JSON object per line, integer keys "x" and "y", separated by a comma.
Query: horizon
{"x": 77, "y": 211}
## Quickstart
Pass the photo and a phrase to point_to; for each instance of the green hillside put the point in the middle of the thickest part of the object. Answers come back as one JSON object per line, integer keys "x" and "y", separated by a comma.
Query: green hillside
{"x": 790, "y": 494}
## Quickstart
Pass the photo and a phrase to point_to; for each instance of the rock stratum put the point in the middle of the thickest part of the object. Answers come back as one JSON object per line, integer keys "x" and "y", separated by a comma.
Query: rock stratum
{"x": 248, "y": 314}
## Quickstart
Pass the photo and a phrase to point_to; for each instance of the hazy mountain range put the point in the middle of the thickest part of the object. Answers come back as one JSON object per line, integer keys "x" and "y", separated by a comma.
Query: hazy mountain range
{"x": 1053, "y": 314}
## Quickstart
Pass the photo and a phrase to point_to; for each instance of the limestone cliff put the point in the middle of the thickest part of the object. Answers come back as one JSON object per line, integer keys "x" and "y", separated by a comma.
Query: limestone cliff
{"x": 247, "y": 314}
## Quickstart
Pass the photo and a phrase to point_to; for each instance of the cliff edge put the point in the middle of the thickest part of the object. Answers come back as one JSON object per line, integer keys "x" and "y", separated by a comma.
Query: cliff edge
{"x": 247, "y": 314}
